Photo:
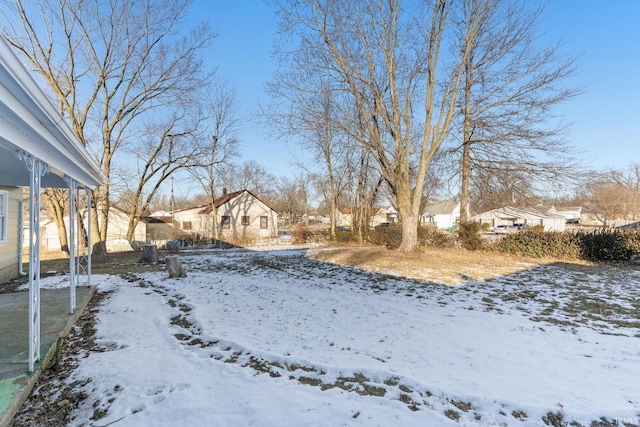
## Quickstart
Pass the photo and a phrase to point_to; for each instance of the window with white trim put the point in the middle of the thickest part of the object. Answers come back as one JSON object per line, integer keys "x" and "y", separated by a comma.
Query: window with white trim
{"x": 4, "y": 201}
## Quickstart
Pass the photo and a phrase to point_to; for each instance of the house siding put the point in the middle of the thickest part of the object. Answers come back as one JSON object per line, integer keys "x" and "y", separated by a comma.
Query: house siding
{"x": 116, "y": 232}
{"x": 247, "y": 205}
{"x": 200, "y": 224}
{"x": 9, "y": 250}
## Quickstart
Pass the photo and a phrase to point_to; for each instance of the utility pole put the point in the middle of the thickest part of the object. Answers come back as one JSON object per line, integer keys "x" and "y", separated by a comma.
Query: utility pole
{"x": 173, "y": 202}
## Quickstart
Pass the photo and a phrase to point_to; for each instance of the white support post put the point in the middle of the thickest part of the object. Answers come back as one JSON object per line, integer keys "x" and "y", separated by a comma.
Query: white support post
{"x": 37, "y": 168}
{"x": 73, "y": 276}
{"x": 89, "y": 247}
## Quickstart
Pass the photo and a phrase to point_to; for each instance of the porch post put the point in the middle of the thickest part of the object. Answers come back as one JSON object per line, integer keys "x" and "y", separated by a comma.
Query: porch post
{"x": 37, "y": 168}
{"x": 89, "y": 247}
{"x": 73, "y": 277}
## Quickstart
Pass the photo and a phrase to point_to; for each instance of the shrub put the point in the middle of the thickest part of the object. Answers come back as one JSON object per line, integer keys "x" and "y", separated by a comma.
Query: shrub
{"x": 537, "y": 243}
{"x": 391, "y": 237}
{"x": 345, "y": 237}
{"x": 469, "y": 233}
{"x": 301, "y": 234}
{"x": 434, "y": 238}
{"x": 297, "y": 234}
{"x": 610, "y": 244}
{"x": 597, "y": 245}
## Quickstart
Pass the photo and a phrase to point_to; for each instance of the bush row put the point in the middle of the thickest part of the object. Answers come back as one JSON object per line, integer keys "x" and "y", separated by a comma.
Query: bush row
{"x": 597, "y": 245}
{"x": 608, "y": 244}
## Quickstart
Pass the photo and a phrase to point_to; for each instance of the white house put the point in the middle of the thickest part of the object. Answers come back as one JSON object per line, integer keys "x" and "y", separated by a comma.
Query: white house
{"x": 241, "y": 217}
{"x": 571, "y": 214}
{"x": 530, "y": 217}
{"x": 37, "y": 150}
{"x": 376, "y": 216}
{"x": 190, "y": 220}
{"x": 116, "y": 232}
{"x": 443, "y": 214}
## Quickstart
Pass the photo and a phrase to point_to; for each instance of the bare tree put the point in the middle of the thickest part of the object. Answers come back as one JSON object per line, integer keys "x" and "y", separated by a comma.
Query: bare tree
{"x": 613, "y": 194}
{"x": 110, "y": 65}
{"x": 491, "y": 190}
{"x": 167, "y": 147}
{"x": 221, "y": 147}
{"x": 509, "y": 88}
{"x": 252, "y": 176}
{"x": 309, "y": 116}
{"x": 383, "y": 58}
{"x": 289, "y": 203}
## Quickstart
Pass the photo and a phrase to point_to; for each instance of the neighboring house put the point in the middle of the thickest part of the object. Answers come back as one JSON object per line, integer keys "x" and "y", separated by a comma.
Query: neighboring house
{"x": 376, "y": 216}
{"x": 443, "y": 214}
{"x": 37, "y": 150}
{"x": 241, "y": 216}
{"x": 159, "y": 228}
{"x": 116, "y": 232}
{"x": 530, "y": 217}
{"x": 192, "y": 221}
{"x": 571, "y": 214}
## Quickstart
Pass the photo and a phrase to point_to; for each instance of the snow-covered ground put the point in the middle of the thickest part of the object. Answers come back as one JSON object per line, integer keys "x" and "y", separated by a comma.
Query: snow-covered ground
{"x": 273, "y": 338}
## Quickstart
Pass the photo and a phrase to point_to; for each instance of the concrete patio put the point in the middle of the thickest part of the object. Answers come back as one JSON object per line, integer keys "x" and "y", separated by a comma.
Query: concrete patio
{"x": 15, "y": 380}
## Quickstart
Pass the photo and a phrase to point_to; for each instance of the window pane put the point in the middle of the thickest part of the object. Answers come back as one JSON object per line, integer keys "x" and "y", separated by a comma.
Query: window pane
{"x": 264, "y": 222}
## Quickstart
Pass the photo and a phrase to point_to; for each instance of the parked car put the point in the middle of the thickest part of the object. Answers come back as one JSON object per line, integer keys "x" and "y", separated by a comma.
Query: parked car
{"x": 383, "y": 225}
{"x": 342, "y": 228}
{"x": 505, "y": 229}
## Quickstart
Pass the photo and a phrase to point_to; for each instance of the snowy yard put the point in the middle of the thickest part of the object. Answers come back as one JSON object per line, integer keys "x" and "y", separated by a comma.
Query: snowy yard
{"x": 273, "y": 338}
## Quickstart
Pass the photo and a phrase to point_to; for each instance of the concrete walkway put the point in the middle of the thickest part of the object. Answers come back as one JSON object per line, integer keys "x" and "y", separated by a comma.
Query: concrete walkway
{"x": 15, "y": 380}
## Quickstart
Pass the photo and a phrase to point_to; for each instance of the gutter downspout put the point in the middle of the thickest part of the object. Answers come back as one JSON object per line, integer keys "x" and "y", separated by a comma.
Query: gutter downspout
{"x": 21, "y": 237}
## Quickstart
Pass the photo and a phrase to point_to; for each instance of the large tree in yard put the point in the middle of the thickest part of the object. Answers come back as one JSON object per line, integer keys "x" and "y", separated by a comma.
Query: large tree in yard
{"x": 384, "y": 59}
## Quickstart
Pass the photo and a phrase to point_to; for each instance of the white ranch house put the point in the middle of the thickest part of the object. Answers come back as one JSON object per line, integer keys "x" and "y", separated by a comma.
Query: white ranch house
{"x": 377, "y": 216}
{"x": 116, "y": 232}
{"x": 530, "y": 217}
{"x": 443, "y": 214}
{"x": 241, "y": 217}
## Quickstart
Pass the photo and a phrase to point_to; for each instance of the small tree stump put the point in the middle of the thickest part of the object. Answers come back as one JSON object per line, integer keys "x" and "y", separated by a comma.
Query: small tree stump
{"x": 174, "y": 267}
{"x": 149, "y": 254}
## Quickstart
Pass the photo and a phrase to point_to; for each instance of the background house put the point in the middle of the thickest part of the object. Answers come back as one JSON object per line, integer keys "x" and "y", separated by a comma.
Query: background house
{"x": 192, "y": 220}
{"x": 116, "y": 232}
{"x": 376, "y": 216}
{"x": 241, "y": 217}
{"x": 529, "y": 217}
{"x": 443, "y": 214}
{"x": 571, "y": 214}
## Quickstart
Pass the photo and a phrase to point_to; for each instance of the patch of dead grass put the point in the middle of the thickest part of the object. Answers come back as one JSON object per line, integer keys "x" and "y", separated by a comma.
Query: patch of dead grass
{"x": 447, "y": 266}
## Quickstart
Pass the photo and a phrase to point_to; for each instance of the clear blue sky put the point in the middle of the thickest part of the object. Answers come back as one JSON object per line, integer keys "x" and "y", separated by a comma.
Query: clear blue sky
{"x": 603, "y": 121}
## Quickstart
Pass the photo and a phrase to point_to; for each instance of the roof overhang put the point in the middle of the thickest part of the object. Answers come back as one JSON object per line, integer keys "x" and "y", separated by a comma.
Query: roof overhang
{"x": 29, "y": 123}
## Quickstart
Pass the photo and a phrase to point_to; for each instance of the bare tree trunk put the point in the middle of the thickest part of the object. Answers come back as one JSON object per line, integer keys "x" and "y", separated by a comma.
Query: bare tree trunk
{"x": 214, "y": 216}
{"x": 97, "y": 239}
{"x": 55, "y": 200}
{"x": 466, "y": 144}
